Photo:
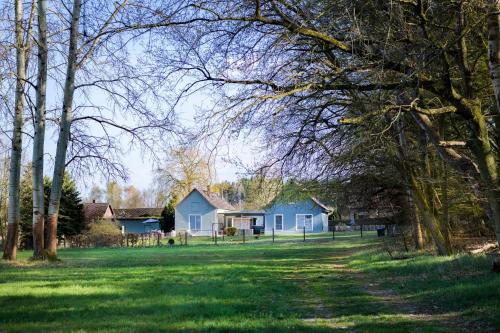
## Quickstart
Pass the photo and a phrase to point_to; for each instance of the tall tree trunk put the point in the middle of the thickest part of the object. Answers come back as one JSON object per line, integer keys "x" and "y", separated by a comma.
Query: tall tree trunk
{"x": 487, "y": 160}
{"x": 403, "y": 151}
{"x": 419, "y": 235}
{"x": 4, "y": 182}
{"x": 39, "y": 135}
{"x": 494, "y": 63}
{"x": 14, "y": 213}
{"x": 430, "y": 220}
{"x": 64, "y": 132}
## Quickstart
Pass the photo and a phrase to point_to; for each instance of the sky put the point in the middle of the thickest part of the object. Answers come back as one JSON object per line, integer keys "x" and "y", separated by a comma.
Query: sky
{"x": 227, "y": 159}
{"x": 141, "y": 167}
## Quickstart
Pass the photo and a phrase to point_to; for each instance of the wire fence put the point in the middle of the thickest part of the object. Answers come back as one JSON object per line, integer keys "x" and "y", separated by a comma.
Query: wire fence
{"x": 244, "y": 236}
{"x": 211, "y": 237}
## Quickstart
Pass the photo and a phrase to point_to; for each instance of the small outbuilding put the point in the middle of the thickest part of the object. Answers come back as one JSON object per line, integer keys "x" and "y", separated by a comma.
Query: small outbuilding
{"x": 139, "y": 220}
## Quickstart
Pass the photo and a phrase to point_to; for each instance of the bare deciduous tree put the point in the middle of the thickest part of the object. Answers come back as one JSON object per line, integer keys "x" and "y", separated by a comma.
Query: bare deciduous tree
{"x": 22, "y": 47}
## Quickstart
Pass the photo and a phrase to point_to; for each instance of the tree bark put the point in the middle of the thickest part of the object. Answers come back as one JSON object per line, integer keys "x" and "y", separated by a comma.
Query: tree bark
{"x": 418, "y": 234}
{"x": 14, "y": 213}
{"x": 429, "y": 219}
{"x": 64, "y": 133}
{"x": 405, "y": 170}
{"x": 39, "y": 135}
{"x": 494, "y": 64}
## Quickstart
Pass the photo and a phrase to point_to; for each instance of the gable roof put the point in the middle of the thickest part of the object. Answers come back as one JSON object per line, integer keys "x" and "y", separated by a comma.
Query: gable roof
{"x": 213, "y": 199}
{"x": 278, "y": 198}
{"x": 134, "y": 213}
{"x": 319, "y": 203}
{"x": 95, "y": 210}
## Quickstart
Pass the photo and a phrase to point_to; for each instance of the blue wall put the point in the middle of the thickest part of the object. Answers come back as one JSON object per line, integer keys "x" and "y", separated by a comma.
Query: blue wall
{"x": 137, "y": 227}
{"x": 195, "y": 203}
{"x": 289, "y": 212}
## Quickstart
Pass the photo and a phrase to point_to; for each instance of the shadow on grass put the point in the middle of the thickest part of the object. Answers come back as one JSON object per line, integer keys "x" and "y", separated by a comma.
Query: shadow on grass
{"x": 462, "y": 283}
{"x": 275, "y": 288}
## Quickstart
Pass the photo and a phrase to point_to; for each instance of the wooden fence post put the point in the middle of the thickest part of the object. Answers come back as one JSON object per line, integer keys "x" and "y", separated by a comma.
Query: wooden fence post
{"x": 304, "y": 233}
{"x": 273, "y": 235}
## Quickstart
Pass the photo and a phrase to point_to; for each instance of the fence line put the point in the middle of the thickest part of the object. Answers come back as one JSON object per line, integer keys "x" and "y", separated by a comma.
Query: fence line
{"x": 204, "y": 237}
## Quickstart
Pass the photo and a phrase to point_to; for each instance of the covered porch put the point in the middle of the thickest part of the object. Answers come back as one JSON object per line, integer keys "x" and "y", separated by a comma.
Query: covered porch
{"x": 252, "y": 221}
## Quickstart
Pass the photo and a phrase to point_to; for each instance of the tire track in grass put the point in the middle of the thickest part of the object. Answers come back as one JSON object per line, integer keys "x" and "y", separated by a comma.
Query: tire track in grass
{"x": 380, "y": 304}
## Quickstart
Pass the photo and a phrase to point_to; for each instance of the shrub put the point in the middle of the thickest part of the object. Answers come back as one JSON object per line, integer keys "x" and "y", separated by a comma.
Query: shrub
{"x": 133, "y": 239}
{"x": 231, "y": 231}
{"x": 171, "y": 242}
{"x": 104, "y": 233}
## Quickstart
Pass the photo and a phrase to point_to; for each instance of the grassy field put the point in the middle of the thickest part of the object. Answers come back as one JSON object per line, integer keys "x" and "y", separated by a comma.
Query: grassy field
{"x": 346, "y": 285}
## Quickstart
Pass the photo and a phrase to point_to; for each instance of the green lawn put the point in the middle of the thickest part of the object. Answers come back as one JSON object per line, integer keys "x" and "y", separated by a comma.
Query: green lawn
{"x": 346, "y": 285}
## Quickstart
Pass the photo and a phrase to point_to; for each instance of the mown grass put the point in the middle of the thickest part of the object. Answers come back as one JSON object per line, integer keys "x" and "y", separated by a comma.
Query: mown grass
{"x": 316, "y": 286}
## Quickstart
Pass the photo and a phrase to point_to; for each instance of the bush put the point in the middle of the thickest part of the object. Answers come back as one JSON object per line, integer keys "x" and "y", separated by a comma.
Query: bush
{"x": 132, "y": 239}
{"x": 104, "y": 233}
{"x": 231, "y": 231}
{"x": 171, "y": 242}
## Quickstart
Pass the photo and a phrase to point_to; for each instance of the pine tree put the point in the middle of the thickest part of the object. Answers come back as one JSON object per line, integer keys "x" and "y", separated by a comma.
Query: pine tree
{"x": 71, "y": 217}
{"x": 26, "y": 207}
{"x": 168, "y": 214}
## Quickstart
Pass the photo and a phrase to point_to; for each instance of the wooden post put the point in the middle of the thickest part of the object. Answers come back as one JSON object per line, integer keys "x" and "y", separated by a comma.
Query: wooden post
{"x": 186, "y": 238}
{"x": 215, "y": 237}
{"x": 333, "y": 232}
{"x": 243, "y": 236}
{"x": 127, "y": 239}
{"x": 273, "y": 235}
{"x": 158, "y": 239}
{"x": 304, "y": 233}
{"x": 361, "y": 228}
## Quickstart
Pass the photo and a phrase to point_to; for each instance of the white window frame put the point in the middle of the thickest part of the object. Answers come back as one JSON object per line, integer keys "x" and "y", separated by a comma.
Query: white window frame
{"x": 297, "y": 221}
{"x": 189, "y": 222}
{"x": 282, "y": 222}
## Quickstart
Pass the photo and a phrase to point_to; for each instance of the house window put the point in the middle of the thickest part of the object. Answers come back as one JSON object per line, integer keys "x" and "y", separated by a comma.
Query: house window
{"x": 194, "y": 222}
{"x": 278, "y": 222}
{"x": 229, "y": 222}
{"x": 304, "y": 220}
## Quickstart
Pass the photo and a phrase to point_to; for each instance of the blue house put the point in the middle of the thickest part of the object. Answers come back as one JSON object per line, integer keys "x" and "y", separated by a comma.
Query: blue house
{"x": 202, "y": 213}
{"x": 292, "y": 217}
{"x": 138, "y": 220}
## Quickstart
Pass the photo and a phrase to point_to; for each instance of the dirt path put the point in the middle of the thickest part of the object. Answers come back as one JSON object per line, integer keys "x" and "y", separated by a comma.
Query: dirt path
{"x": 381, "y": 305}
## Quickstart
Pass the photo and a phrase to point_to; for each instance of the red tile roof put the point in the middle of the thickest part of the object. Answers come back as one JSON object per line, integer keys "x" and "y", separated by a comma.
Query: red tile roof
{"x": 94, "y": 211}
